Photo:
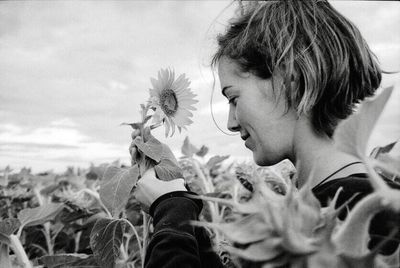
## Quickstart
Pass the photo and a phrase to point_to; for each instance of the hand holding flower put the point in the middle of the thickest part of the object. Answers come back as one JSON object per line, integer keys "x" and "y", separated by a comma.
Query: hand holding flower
{"x": 149, "y": 188}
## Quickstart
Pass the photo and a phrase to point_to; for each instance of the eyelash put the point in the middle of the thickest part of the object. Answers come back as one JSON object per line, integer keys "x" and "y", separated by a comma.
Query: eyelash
{"x": 232, "y": 101}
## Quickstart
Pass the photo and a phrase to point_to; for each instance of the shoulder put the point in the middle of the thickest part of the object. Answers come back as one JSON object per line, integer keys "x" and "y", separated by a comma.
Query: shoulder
{"x": 358, "y": 186}
{"x": 355, "y": 184}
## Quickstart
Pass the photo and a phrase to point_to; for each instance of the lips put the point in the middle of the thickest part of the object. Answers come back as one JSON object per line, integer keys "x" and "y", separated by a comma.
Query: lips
{"x": 244, "y": 136}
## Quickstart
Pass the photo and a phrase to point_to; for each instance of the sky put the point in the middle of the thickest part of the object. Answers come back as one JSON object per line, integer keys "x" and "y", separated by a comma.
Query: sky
{"x": 72, "y": 71}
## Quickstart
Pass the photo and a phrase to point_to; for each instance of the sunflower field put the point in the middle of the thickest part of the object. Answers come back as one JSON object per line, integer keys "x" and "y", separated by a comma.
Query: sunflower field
{"x": 255, "y": 216}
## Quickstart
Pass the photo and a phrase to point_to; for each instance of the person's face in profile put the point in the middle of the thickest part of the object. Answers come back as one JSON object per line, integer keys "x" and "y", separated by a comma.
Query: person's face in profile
{"x": 262, "y": 119}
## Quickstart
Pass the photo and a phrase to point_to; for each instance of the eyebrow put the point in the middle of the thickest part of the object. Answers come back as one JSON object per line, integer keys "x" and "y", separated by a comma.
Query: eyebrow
{"x": 224, "y": 89}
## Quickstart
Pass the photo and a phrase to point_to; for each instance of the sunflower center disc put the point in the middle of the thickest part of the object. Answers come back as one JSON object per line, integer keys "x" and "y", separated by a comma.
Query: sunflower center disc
{"x": 169, "y": 102}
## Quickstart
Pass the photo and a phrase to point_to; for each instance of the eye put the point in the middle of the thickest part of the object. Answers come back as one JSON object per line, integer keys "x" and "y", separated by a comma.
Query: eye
{"x": 232, "y": 100}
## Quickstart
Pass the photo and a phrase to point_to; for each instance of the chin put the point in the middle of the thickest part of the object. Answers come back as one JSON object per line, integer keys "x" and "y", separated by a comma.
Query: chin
{"x": 264, "y": 161}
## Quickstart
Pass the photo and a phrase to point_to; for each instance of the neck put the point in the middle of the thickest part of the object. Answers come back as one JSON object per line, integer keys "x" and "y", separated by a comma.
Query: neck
{"x": 316, "y": 156}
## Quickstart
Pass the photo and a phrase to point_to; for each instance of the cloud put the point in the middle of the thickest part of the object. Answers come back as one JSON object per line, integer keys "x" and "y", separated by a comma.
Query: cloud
{"x": 58, "y": 144}
{"x": 65, "y": 122}
{"x": 32, "y": 146}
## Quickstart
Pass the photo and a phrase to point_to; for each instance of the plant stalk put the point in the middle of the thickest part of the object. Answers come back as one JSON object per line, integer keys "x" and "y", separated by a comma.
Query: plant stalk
{"x": 208, "y": 187}
{"x": 135, "y": 232}
{"x": 47, "y": 236}
{"x": 145, "y": 235}
{"x": 20, "y": 252}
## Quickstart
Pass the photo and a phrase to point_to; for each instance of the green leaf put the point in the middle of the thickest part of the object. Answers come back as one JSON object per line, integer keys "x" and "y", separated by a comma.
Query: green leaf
{"x": 215, "y": 160}
{"x": 265, "y": 250}
{"x": 151, "y": 148}
{"x": 388, "y": 166}
{"x": 246, "y": 230}
{"x": 147, "y": 119}
{"x": 352, "y": 134}
{"x": 167, "y": 170}
{"x": 49, "y": 189}
{"x": 39, "y": 215}
{"x": 9, "y": 226}
{"x": 203, "y": 151}
{"x": 133, "y": 125}
{"x": 69, "y": 260}
{"x": 105, "y": 241}
{"x": 5, "y": 239}
{"x": 188, "y": 149}
{"x": 116, "y": 187}
{"x": 377, "y": 151}
{"x": 352, "y": 236}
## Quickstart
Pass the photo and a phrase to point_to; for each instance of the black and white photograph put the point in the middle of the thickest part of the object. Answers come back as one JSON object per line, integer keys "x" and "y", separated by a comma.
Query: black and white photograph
{"x": 199, "y": 134}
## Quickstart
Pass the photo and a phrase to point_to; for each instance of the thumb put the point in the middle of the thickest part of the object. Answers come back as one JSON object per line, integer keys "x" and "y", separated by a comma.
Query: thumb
{"x": 180, "y": 180}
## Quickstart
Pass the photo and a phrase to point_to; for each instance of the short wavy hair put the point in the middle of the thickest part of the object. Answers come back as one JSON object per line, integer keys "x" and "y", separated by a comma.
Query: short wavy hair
{"x": 308, "y": 43}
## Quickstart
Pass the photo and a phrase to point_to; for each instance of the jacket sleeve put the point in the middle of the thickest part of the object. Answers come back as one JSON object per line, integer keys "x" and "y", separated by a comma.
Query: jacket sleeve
{"x": 175, "y": 241}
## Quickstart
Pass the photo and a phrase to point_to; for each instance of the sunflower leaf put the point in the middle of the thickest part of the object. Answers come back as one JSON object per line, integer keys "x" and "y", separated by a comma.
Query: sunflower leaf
{"x": 188, "y": 149}
{"x": 133, "y": 125}
{"x": 352, "y": 237}
{"x": 377, "y": 151}
{"x": 152, "y": 148}
{"x": 249, "y": 229}
{"x": 69, "y": 260}
{"x": 105, "y": 241}
{"x": 39, "y": 215}
{"x": 116, "y": 187}
{"x": 5, "y": 239}
{"x": 147, "y": 119}
{"x": 214, "y": 161}
{"x": 9, "y": 226}
{"x": 203, "y": 151}
{"x": 352, "y": 134}
{"x": 388, "y": 166}
{"x": 168, "y": 168}
{"x": 263, "y": 251}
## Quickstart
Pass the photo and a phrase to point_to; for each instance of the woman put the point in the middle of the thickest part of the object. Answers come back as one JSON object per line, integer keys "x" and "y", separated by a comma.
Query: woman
{"x": 291, "y": 71}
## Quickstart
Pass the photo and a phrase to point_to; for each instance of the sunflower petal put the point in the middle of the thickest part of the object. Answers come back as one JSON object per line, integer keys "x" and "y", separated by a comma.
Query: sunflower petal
{"x": 173, "y": 127}
{"x": 156, "y": 85}
{"x": 167, "y": 127}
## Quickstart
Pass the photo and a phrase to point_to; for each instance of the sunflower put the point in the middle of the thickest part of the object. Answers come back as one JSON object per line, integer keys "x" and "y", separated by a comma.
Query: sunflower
{"x": 171, "y": 100}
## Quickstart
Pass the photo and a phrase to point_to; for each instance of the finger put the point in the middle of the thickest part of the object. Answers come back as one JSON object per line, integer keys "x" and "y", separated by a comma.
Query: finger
{"x": 135, "y": 133}
{"x": 137, "y": 139}
{"x": 132, "y": 144}
{"x": 146, "y": 133}
{"x": 132, "y": 148}
{"x": 134, "y": 153}
{"x": 180, "y": 181}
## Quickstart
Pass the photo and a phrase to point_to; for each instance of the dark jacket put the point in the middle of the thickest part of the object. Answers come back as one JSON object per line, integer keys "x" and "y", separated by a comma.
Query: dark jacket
{"x": 381, "y": 225}
{"x": 176, "y": 243}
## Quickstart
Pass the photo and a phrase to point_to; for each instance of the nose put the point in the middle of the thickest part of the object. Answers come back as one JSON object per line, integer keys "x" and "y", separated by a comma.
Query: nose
{"x": 233, "y": 124}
